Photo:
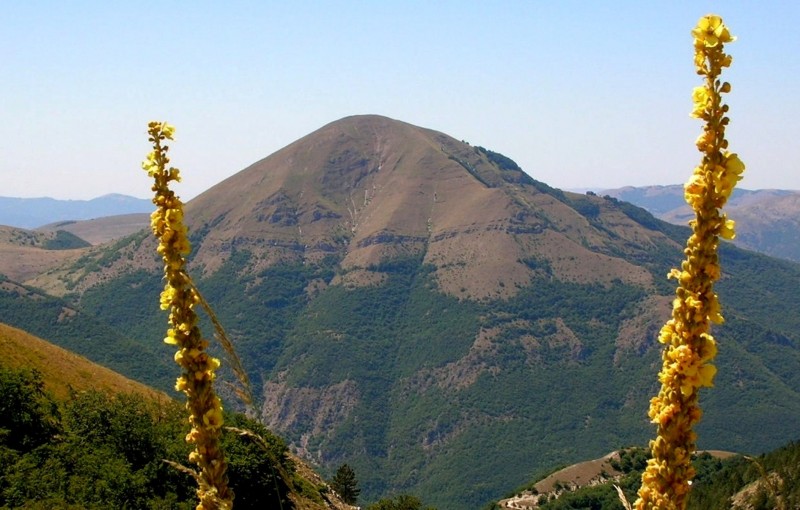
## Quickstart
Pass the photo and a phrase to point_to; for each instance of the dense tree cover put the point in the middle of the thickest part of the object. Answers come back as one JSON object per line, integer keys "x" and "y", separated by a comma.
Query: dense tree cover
{"x": 503, "y": 162}
{"x": 394, "y": 330}
{"x": 28, "y": 417}
{"x": 401, "y": 502}
{"x": 91, "y": 334}
{"x": 100, "y": 451}
{"x": 775, "y": 475}
{"x": 63, "y": 240}
{"x": 260, "y": 472}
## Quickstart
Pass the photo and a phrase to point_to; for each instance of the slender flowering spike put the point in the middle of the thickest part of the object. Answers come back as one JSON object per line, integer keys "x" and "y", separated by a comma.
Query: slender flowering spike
{"x": 689, "y": 346}
{"x": 180, "y": 297}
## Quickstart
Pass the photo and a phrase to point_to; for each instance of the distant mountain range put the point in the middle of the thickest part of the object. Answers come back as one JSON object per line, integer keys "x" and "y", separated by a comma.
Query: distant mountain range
{"x": 428, "y": 313}
{"x": 36, "y": 212}
{"x": 767, "y": 221}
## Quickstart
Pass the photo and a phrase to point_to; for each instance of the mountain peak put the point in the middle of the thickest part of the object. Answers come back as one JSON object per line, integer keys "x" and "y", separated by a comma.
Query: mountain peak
{"x": 368, "y": 188}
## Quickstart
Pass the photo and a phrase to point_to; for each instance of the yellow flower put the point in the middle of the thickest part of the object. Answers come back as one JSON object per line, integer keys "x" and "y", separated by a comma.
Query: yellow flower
{"x": 168, "y": 130}
{"x": 700, "y": 61}
{"x": 707, "y": 373}
{"x": 170, "y": 338}
{"x": 701, "y": 99}
{"x": 709, "y": 348}
{"x": 180, "y": 297}
{"x": 213, "y": 418}
{"x": 733, "y": 164}
{"x": 711, "y": 31}
{"x": 714, "y": 314}
{"x": 690, "y": 347}
{"x": 703, "y": 140}
{"x": 694, "y": 189}
{"x": 180, "y": 384}
{"x": 727, "y": 230}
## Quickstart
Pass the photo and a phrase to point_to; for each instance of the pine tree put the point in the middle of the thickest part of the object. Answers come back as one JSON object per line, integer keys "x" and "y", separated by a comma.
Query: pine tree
{"x": 346, "y": 485}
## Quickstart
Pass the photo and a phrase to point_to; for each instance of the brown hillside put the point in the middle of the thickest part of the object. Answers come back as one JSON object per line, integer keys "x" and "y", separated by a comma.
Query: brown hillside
{"x": 51, "y": 270}
{"x": 769, "y": 223}
{"x": 102, "y": 230}
{"x": 376, "y": 188}
{"x": 62, "y": 369}
{"x": 23, "y": 254}
{"x": 368, "y": 188}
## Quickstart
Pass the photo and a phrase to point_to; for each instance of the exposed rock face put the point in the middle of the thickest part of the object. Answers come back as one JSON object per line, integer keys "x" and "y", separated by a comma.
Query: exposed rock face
{"x": 640, "y": 332}
{"x": 318, "y": 411}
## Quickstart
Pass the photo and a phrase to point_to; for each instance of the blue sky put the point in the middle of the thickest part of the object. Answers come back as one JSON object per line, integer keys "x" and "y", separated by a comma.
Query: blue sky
{"x": 581, "y": 94}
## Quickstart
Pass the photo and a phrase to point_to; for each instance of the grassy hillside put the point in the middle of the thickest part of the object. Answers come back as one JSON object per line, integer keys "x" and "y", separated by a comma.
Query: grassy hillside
{"x": 104, "y": 229}
{"x": 141, "y": 358}
{"x": 63, "y": 371}
{"x": 25, "y": 254}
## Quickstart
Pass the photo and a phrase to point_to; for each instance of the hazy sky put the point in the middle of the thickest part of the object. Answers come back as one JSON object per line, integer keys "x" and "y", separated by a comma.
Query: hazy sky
{"x": 579, "y": 93}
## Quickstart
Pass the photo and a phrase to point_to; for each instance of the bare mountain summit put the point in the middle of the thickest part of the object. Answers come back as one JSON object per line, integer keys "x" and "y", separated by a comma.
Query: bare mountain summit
{"x": 370, "y": 188}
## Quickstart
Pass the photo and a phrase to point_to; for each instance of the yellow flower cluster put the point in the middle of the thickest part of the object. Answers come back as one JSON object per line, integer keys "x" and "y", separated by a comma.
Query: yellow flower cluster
{"x": 689, "y": 346}
{"x": 180, "y": 298}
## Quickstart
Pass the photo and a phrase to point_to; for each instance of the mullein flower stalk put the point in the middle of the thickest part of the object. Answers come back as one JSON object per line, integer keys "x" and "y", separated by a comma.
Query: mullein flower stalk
{"x": 689, "y": 346}
{"x": 180, "y": 297}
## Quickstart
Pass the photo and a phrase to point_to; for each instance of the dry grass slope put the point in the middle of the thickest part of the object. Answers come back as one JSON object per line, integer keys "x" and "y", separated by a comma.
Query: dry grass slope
{"x": 62, "y": 369}
{"x": 102, "y": 230}
{"x": 23, "y": 256}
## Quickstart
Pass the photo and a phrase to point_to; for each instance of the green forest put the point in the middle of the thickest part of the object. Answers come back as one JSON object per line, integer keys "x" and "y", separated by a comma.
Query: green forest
{"x": 98, "y": 451}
